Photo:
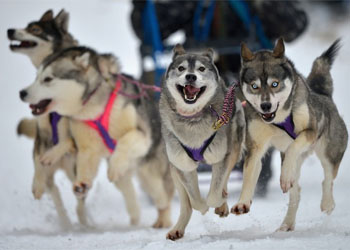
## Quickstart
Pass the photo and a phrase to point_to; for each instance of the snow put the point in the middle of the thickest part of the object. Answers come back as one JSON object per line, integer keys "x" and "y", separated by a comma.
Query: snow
{"x": 105, "y": 25}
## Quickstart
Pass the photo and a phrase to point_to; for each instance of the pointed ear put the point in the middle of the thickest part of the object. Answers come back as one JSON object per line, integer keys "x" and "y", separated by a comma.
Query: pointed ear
{"x": 278, "y": 51}
{"x": 48, "y": 16}
{"x": 246, "y": 53}
{"x": 178, "y": 50}
{"x": 108, "y": 65}
{"x": 83, "y": 60}
{"x": 210, "y": 54}
{"x": 62, "y": 20}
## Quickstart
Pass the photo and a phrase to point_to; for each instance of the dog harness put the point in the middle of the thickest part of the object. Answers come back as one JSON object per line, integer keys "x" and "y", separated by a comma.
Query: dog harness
{"x": 196, "y": 154}
{"x": 54, "y": 119}
{"x": 101, "y": 124}
{"x": 287, "y": 126}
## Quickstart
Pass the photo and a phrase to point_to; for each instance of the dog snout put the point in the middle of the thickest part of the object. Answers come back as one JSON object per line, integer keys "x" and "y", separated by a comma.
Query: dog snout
{"x": 191, "y": 78}
{"x": 23, "y": 94}
{"x": 265, "y": 106}
{"x": 10, "y": 33}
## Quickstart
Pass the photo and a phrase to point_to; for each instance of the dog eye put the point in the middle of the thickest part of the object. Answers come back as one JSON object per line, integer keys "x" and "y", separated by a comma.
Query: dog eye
{"x": 254, "y": 86}
{"x": 35, "y": 30}
{"x": 201, "y": 69}
{"x": 181, "y": 68}
{"x": 47, "y": 79}
{"x": 274, "y": 84}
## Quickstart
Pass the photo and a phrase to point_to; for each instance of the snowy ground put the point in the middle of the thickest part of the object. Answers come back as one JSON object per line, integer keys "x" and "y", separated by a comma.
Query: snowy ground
{"x": 104, "y": 25}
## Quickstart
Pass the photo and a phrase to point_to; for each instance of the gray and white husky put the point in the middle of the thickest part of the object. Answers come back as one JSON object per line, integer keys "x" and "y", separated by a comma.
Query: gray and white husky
{"x": 76, "y": 83}
{"x": 53, "y": 147}
{"x": 192, "y": 92}
{"x": 294, "y": 115}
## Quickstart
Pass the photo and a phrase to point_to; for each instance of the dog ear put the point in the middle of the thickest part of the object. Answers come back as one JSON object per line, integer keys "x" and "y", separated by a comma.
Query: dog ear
{"x": 108, "y": 65}
{"x": 48, "y": 16}
{"x": 83, "y": 60}
{"x": 62, "y": 20}
{"x": 278, "y": 51}
{"x": 210, "y": 54}
{"x": 246, "y": 53}
{"x": 178, "y": 50}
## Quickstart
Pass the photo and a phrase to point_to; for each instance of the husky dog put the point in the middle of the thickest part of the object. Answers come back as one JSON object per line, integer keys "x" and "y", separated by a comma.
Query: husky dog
{"x": 192, "y": 90}
{"x": 74, "y": 84}
{"x": 296, "y": 116}
{"x": 53, "y": 145}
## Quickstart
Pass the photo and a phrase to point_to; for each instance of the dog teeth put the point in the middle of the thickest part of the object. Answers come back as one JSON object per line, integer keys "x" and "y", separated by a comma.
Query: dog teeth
{"x": 188, "y": 99}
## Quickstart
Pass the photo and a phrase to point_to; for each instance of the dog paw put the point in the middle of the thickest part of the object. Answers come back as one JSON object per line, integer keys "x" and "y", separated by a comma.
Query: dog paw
{"x": 115, "y": 173}
{"x": 240, "y": 208}
{"x": 80, "y": 189}
{"x": 287, "y": 181}
{"x": 38, "y": 192}
{"x": 49, "y": 158}
{"x": 285, "y": 227}
{"x": 327, "y": 206}
{"x": 223, "y": 210}
{"x": 162, "y": 223}
{"x": 175, "y": 234}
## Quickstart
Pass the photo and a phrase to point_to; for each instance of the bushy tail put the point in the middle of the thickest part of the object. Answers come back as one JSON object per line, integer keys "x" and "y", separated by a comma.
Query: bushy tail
{"x": 320, "y": 79}
{"x": 27, "y": 127}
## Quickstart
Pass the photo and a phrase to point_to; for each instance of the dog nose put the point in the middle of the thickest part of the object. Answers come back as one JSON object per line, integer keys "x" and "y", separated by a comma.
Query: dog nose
{"x": 23, "y": 94}
{"x": 191, "y": 78}
{"x": 10, "y": 33}
{"x": 266, "y": 106}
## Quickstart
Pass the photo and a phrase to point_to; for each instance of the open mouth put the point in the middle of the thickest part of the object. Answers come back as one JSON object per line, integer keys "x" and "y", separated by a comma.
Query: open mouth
{"x": 25, "y": 44}
{"x": 189, "y": 93}
{"x": 40, "y": 107}
{"x": 268, "y": 117}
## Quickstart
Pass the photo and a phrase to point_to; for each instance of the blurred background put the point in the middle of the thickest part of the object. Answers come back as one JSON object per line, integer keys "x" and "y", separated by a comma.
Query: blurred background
{"x": 141, "y": 34}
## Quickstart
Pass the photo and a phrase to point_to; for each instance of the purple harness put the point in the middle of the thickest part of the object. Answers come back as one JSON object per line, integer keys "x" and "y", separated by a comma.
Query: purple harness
{"x": 54, "y": 119}
{"x": 196, "y": 154}
{"x": 288, "y": 126}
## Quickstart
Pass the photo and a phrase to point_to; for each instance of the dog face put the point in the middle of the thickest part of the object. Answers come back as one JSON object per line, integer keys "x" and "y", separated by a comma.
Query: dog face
{"x": 192, "y": 80}
{"x": 63, "y": 82}
{"x": 39, "y": 38}
{"x": 266, "y": 79}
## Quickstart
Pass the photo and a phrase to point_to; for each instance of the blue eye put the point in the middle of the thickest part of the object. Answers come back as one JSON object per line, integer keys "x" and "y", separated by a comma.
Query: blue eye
{"x": 274, "y": 84}
{"x": 254, "y": 86}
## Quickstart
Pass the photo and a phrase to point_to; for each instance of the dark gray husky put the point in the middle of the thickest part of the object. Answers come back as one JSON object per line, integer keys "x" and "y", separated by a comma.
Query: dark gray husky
{"x": 192, "y": 92}
{"x": 296, "y": 116}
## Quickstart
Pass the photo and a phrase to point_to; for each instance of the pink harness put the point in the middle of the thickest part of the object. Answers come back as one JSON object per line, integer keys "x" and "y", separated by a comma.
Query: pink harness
{"x": 101, "y": 124}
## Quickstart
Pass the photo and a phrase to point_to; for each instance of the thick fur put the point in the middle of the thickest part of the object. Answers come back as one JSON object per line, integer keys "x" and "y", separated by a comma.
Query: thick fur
{"x": 79, "y": 82}
{"x": 190, "y": 125}
{"x": 318, "y": 125}
{"x": 50, "y": 35}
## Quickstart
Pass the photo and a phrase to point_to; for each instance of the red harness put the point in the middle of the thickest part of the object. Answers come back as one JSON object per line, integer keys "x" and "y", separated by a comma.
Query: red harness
{"x": 101, "y": 124}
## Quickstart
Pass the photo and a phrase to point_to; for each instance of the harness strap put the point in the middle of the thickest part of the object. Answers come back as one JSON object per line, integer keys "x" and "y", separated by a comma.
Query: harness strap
{"x": 196, "y": 154}
{"x": 101, "y": 124}
{"x": 287, "y": 126}
{"x": 54, "y": 119}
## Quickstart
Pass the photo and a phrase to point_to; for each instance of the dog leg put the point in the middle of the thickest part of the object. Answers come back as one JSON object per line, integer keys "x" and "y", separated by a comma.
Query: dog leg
{"x": 251, "y": 172}
{"x": 153, "y": 184}
{"x": 87, "y": 166}
{"x": 57, "y": 200}
{"x": 132, "y": 145}
{"x": 217, "y": 196}
{"x": 288, "y": 223}
{"x": 178, "y": 230}
{"x": 300, "y": 145}
{"x": 81, "y": 211}
{"x": 327, "y": 202}
{"x": 127, "y": 189}
{"x": 54, "y": 154}
{"x": 39, "y": 180}
{"x": 190, "y": 182}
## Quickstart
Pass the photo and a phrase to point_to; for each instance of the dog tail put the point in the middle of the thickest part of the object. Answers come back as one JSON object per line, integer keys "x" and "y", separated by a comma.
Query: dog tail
{"x": 27, "y": 127}
{"x": 320, "y": 79}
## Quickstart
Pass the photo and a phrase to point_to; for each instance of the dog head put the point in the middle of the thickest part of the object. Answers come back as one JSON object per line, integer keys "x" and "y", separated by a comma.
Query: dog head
{"x": 191, "y": 80}
{"x": 267, "y": 79}
{"x": 67, "y": 79}
{"x": 42, "y": 38}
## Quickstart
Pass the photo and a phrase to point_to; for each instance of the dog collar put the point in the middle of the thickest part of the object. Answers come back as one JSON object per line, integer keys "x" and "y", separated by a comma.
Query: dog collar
{"x": 196, "y": 154}
{"x": 54, "y": 119}
{"x": 101, "y": 124}
{"x": 287, "y": 126}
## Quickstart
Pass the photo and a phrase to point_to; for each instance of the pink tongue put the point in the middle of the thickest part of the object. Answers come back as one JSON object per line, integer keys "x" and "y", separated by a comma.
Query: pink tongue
{"x": 191, "y": 91}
